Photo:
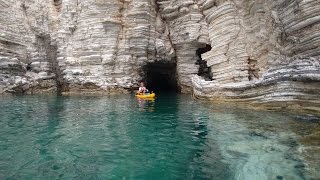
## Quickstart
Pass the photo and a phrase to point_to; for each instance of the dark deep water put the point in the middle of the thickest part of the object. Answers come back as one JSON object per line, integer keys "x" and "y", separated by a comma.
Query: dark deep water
{"x": 173, "y": 137}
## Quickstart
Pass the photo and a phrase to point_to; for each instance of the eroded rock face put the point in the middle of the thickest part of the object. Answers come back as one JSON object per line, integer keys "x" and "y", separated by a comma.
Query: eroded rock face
{"x": 27, "y": 49}
{"x": 108, "y": 42}
{"x": 264, "y": 52}
{"x": 75, "y": 43}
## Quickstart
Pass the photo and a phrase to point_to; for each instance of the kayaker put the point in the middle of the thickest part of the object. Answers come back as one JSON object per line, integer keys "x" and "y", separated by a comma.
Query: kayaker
{"x": 142, "y": 88}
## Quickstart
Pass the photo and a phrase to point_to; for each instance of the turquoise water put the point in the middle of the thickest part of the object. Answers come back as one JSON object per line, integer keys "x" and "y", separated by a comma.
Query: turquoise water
{"x": 173, "y": 137}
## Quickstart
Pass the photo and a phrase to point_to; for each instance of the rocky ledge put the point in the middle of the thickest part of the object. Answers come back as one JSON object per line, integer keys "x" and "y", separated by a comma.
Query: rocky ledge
{"x": 262, "y": 53}
{"x": 294, "y": 86}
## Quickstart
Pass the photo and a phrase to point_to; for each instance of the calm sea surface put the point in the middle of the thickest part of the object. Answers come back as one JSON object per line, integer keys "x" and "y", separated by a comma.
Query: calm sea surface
{"x": 173, "y": 137}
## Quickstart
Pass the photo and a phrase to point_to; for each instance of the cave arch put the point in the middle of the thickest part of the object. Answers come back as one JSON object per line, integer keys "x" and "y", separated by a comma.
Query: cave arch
{"x": 160, "y": 76}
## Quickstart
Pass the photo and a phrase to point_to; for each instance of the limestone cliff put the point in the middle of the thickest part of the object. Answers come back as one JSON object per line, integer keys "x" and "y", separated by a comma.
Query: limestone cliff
{"x": 262, "y": 52}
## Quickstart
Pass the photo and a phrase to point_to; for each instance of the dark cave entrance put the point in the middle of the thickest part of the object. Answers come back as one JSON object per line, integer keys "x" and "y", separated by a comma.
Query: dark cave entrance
{"x": 204, "y": 70}
{"x": 160, "y": 76}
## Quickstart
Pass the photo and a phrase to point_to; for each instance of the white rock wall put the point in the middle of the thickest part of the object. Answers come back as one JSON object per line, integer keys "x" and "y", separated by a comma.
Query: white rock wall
{"x": 188, "y": 32}
{"x": 101, "y": 44}
{"x": 281, "y": 38}
{"x": 23, "y": 61}
{"x": 107, "y": 42}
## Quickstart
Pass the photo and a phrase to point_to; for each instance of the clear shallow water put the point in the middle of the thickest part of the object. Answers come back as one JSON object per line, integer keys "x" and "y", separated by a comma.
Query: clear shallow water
{"x": 173, "y": 137}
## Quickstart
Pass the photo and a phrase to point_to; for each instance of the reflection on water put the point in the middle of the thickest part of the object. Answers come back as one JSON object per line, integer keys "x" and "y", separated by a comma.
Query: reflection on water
{"x": 146, "y": 104}
{"x": 171, "y": 137}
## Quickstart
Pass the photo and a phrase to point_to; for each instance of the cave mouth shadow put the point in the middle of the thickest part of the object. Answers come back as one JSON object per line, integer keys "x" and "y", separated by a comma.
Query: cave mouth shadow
{"x": 161, "y": 77}
{"x": 204, "y": 70}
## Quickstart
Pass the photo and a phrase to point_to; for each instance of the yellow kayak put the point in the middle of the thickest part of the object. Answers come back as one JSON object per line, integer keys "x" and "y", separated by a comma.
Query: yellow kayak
{"x": 151, "y": 95}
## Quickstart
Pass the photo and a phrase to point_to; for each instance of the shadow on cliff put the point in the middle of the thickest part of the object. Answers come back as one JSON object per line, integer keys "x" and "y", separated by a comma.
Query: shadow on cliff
{"x": 161, "y": 77}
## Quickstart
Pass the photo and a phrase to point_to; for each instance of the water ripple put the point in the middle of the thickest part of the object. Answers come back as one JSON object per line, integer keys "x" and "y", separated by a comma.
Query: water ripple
{"x": 173, "y": 137}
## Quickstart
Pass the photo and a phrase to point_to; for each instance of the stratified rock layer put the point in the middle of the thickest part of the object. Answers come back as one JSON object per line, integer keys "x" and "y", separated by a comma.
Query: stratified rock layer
{"x": 261, "y": 52}
{"x": 106, "y": 43}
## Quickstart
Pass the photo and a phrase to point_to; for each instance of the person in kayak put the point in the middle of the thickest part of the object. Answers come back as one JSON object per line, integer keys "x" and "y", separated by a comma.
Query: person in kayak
{"x": 143, "y": 89}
